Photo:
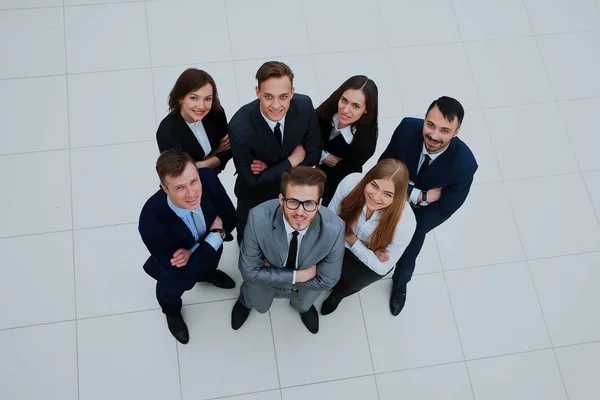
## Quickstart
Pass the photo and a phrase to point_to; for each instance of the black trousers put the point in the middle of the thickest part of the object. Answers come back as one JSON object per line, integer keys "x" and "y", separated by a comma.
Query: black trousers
{"x": 169, "y": 290}
{"x": 355, "y": 276}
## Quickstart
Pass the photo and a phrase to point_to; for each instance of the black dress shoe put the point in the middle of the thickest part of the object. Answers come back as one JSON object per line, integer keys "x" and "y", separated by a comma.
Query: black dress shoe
{"x": 311, "y": 319}
{"x": 329, "y": 306}
{"x": 178, "y": 329}
{"x": 221, "y": 280}
{"x": 397, "y": 299}
{"x": 239, "y": 315}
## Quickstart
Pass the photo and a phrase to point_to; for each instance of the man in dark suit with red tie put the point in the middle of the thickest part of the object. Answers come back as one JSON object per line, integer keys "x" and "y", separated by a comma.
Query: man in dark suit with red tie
{"x": 270, "y": 135}
{"x": 441, "y": 168}
{"x": 183, "y": 225}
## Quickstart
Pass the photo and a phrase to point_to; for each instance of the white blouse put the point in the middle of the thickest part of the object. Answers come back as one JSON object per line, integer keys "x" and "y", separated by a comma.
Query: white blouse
{"x": 201, "y": 136}
{"x": 364, "y": 228}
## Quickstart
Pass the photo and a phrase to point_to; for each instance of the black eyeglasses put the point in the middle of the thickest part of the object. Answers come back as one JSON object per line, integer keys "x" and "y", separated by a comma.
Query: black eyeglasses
{"x": 308, "y": 205}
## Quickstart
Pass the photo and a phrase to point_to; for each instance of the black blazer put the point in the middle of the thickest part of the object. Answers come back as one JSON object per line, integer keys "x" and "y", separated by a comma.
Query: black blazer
{"x": 453, "y": 170}
{"x": 356, "y": 154}
{"x": 163, "y": 232}
{"x": 173, "y": 132}
{"x": 251, "y": 139}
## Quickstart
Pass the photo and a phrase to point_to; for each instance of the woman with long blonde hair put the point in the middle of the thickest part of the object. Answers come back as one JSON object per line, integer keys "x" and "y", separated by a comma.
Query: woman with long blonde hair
{"x": 379, "y": 226}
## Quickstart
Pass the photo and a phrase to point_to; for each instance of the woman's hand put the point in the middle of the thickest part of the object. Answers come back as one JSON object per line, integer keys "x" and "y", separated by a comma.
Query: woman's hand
{"x": 351, "y": 238}
{"x": 382, "y": 255}
{"x": 223, "y": 144}
{"x": 331, "y": 160}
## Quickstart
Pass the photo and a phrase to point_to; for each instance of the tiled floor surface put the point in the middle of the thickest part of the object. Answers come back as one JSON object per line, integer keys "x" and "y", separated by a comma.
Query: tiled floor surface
{"x": 505, "y": 303}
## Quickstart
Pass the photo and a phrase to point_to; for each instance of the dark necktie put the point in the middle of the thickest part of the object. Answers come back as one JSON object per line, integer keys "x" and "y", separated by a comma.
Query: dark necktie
{"x": 278, "y": 133}
{"x": 291, "y": 258}
{"x": 425, "y": 165}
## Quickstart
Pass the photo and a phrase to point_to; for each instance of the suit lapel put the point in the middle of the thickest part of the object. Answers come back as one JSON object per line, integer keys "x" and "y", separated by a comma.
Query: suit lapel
{"x": 290, "y": 131}
{"x": 178, "y": 227}
{"x": 415, "y": 153}
{"x": 280, "y": 236}
{"x": 265, "y": 133}
{"x": 189, "y": 140}
{"x": 309, "y": 239}
{"x": 208, "y": 210}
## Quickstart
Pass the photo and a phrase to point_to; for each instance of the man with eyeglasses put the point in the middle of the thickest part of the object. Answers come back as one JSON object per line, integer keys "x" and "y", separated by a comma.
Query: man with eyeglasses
{"x": 293, "y": 248}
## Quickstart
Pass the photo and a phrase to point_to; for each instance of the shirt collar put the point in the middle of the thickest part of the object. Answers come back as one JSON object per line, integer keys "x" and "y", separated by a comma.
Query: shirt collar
{"x": 181, "y": 212}
{"x": 272, "y": 124}
{"x": 432, "y": 156}
{"x": 289, "y": 229}
{"x": 347, "y": 131}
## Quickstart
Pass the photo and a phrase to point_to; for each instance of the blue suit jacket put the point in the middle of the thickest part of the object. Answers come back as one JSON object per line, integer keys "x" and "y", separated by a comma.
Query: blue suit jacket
{"x": 453, "y": 170}
{"x": 163, "y": 232}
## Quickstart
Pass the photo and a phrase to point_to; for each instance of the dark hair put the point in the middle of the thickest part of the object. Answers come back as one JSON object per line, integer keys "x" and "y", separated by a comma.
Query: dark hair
{"x": 353, "y": 204}
{"x": 273, "y": 69}
{"x": 449, "y": 107}
{"x": 304, "y": 176}
{"x": 358, "y": 82}
{"x": 172, "y": 163}
{"x": 191, "y": 80}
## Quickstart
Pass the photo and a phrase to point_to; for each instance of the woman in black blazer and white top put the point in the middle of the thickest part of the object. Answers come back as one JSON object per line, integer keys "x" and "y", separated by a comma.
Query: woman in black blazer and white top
{"x": 196, "y": 123}
{"x": 348, "y": 123}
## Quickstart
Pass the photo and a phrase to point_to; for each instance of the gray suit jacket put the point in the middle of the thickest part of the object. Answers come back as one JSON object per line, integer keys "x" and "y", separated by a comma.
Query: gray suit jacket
{"x": 265, "y": 238}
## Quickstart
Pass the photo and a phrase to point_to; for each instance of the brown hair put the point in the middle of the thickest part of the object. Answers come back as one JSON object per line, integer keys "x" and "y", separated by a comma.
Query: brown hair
{"x": 273, "y": 69}
{"x": 304, "y": 176}
{"x": 172, "y": 163}
{"x": 354, "y": 202}
{"x": 191, "y": 80}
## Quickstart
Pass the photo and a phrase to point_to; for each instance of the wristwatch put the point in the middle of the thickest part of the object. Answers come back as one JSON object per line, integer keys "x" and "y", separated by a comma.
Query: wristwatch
{"x": 219, "y": 232}
{"x": 423, "y": 201}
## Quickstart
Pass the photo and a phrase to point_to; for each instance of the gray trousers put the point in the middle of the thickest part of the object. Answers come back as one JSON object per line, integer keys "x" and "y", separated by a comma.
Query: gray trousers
{"x": 261, "y": 297}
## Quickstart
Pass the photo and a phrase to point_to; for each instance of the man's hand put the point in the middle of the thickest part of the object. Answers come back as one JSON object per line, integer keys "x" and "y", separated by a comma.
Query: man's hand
{"x": 297, "y": 155}
{"x": 217, "y": 223}
{"x": 331, "y": 160}
{"x": 434, "y": 194}
{"x": 351, "y": 238}
{"x": 382, "y": 255}
{"x": 180, "y": 258}
{"x": 303, "y": 275}
{"x": 257, "y": 166}
{"x": 267, "y": 263}
{"x": 223, "y": 144}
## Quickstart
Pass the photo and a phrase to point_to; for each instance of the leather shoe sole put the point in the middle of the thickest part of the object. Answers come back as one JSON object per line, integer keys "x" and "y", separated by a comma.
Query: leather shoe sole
{"x": 221, "y": 280}
{"x": 397, "y": 299}
{"x": 239, "y": 315}
{"x": 310, "y": 319}
{"x": 178, "y": 329}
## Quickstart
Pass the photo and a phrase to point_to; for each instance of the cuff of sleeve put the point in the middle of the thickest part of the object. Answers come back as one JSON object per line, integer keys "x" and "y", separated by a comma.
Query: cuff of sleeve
{"x": 324, "y": 155}
{"x": 193, "y": 249}
{"x": 414, "y": 195}
{"x": 359, "y": 246}
{"x": 294, "y": 278}
{"x": 214, "y": 240}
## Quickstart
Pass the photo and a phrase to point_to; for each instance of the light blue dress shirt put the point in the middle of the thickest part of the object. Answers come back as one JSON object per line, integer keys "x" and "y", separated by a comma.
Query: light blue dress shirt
{"x": 186, "y": 215}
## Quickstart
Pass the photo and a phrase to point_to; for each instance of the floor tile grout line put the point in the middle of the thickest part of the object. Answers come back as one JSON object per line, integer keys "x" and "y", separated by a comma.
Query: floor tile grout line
{"x": 274, "y": 350}
{"x": 362, "y": 312}
{"x": 78, "y": 147}
{"x": 74, "y": 258}
{"x": 312, "y": 58}
{"x": 179, "y": 370}
{"x": 150, "y": 60}
{"x": 235, "y": 79}
{"x": 227, "y": 397}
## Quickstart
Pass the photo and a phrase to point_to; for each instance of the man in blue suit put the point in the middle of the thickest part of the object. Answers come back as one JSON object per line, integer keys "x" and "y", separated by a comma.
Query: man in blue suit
{"x": 441, "y": 168}
{"x": 183, "y": 225}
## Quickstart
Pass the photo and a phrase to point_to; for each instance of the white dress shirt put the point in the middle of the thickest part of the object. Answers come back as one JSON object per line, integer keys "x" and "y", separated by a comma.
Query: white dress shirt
{"x": 364, "y": 228}
{"x": 273, "y": 124}
{"x": 201, "y": 136}
{"x": 414, "y": 194}
{"x": 347, "y": 133}
{"x": 289, "y": 230}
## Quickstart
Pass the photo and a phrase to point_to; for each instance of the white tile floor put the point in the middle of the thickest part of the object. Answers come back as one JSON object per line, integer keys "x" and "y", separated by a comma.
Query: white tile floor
{"x": 505, "y": 301}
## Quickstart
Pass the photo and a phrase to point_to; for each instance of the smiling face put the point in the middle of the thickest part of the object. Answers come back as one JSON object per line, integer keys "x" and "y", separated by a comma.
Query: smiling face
{"x": 185, "y": 191}
{"x": 438, "y": 131}
{"x": 195, "y": 105}
{"x": 275, "y": 95}
{"x": 379, "y": 194}
{"x": 299, "y": 219}
{"x": 351, "y": 106}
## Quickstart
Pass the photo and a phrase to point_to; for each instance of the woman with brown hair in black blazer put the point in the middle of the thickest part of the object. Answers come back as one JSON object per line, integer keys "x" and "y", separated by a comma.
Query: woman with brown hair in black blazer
{"x": 196, "y": 123}
{"x": 348, "y": 124}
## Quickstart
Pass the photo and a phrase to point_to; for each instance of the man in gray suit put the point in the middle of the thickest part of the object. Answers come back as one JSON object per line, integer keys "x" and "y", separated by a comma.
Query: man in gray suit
{"x": 293, "y": 248}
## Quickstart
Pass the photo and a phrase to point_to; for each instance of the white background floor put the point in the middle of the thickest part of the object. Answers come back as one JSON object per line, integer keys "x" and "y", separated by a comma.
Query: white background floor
{"x": 505, "y": 303}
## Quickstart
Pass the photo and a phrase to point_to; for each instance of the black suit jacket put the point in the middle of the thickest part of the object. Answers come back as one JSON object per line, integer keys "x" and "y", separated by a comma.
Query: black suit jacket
{"x": 251, "y": 139}
{"x": 453, "y": 170}
{"x": 173, "y": 132}
{"x": 163, "y": 232}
